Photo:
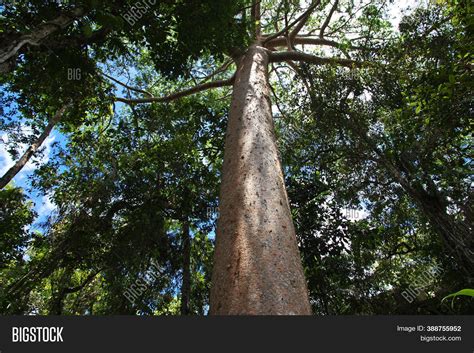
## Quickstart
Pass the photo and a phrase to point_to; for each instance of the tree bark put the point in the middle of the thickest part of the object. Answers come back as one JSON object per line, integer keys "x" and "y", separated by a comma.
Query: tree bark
{"x": 11, "y": 45}
{"x": 186, "y": 284}
{"x": 257, "y": 265}
{"x": 15, "y": 169}
{"x": 255, "y": 16}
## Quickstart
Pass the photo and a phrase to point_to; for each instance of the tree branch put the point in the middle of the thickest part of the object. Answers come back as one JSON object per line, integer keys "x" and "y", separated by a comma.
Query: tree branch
{"x": 127, "y": 86}
{"x": 255, "y": 17}
{"x": 39, "y": 33}
{"x": 312, "y": 59}
{"x": 15, "y": 169}
{"x": 282, "y": 41}
{"x": 301, "y": 19}
{"x": 351, "y": 16}
{"x": 297, "y": 71}
{"x": 221, "y": 69}
{"x": 328, "y": 19}
{"x": 83, "y": 284}
{"x": 180, "y": 94}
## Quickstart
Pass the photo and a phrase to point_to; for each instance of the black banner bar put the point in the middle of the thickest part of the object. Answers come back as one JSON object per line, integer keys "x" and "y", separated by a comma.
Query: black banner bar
{"x": 292, "y": 334}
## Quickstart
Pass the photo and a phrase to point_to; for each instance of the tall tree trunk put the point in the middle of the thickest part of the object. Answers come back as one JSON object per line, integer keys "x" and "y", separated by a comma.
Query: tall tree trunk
{"x": 186, "y": 284}
{"x": 257, "y": 265}
{"x": 15, "y": 169}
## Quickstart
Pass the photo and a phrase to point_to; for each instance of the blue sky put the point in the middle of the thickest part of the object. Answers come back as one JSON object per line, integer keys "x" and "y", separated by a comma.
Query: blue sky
{"x": 42, "y": 204}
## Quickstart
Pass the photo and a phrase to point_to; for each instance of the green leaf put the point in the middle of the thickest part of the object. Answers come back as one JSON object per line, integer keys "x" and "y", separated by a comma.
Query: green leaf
{"x": 466, "y": 292}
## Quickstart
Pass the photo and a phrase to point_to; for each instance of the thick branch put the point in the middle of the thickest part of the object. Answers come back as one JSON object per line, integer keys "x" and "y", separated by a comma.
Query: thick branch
{"x": 38, "y": 34}
{"x": 328, "y": 19}
{"x": 282, "y": 41}
{"x": 255, "y": 17}
{"x": 312, "y": 59}
{"x": 301, "y": 20}
{"x": 180, "y": 94}
{"x": 10, "y": 174}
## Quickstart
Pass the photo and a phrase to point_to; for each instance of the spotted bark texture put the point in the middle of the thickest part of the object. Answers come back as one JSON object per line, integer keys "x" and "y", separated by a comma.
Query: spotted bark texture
{"x": 257, "y": 265}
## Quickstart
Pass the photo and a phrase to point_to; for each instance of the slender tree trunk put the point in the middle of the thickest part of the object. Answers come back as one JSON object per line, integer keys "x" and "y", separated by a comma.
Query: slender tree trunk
{"x": 455, "y": 234}
{"x": 186, "y": 284}
{"x": 15, "y": 169}
{"x": 257, "y": 265}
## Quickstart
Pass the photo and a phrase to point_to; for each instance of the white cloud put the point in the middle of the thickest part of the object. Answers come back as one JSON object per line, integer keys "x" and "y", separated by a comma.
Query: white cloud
{"x": 46, "y": 207}
{"x": 5, "y": 159}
